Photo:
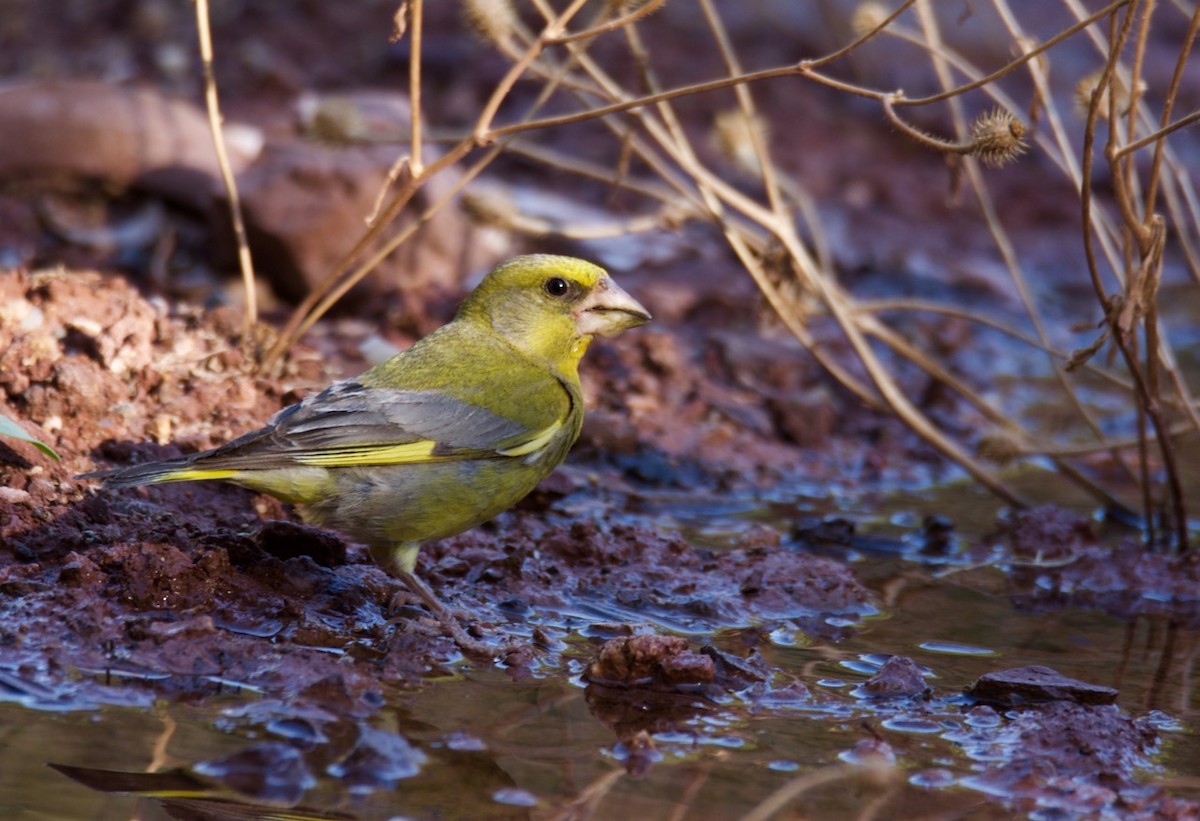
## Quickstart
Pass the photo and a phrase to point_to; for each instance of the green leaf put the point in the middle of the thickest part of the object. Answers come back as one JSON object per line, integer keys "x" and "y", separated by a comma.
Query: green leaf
{"x": 12, "y": 430}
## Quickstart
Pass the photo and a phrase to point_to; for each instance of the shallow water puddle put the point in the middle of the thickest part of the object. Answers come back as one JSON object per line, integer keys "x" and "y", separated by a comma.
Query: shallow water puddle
{"x": 482, "y": 742}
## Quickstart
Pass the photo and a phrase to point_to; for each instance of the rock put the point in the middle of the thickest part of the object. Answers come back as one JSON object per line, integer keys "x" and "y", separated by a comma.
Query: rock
{"x": 307, "y": 203}
{"x": 651, "y": 662}
{"x": 1020, "y": 685}
{"x": 899, "y": 676}
{"x": 125, "y": 136}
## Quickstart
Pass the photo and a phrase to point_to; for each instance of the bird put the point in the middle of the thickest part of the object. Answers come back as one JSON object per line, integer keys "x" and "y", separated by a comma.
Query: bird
{"x": 445, "y": 434}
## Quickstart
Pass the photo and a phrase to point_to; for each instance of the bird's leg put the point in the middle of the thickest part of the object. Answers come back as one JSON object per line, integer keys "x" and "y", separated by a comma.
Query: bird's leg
{"x": 401, "y": 561}
{"x": 449, "y": 620}
{"x": 423, "y": 591}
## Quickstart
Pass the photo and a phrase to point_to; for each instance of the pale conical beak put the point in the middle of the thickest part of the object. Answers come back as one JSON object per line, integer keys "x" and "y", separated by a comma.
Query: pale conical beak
{"x": 608, "y": 310}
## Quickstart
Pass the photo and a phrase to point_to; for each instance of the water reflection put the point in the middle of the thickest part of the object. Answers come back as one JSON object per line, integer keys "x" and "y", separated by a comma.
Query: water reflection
{"x": 791, "y": 725}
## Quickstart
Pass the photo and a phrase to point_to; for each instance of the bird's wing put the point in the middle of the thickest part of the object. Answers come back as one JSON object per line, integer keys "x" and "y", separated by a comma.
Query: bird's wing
{"x": 349, "y": 424}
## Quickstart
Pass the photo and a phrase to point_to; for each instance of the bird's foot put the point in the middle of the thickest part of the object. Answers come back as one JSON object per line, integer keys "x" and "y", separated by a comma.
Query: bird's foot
{"x": 444, "y": 621}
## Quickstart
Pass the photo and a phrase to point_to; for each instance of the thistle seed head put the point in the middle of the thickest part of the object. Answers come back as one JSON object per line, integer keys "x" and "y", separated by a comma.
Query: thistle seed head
{"x": 493, "y": 20}
{"x": 868, "y": 16}
{"x": 997, "y": 138}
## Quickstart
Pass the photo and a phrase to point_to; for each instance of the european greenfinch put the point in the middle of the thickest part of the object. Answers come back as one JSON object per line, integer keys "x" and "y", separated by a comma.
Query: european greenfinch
{"x": 442, "y": 436}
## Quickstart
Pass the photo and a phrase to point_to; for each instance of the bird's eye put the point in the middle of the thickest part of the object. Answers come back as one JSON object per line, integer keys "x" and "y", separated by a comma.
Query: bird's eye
{"x": 556, "y": 286}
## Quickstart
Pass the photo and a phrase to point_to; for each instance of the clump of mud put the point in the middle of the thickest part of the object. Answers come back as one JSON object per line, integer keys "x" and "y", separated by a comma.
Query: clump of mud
{"x": 1058, "y": 560}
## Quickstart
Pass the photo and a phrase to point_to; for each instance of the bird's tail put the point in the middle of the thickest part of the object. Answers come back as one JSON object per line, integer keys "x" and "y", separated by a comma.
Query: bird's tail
{"x": 182, "y": 469}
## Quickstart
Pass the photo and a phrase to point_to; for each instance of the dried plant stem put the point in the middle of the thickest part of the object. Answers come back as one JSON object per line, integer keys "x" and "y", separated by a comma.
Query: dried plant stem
{"x": 880, "y": 28}
{"x": 840, "y": 305}
{"x": 1103, "y": 230}
{"x": 570, "y": 164}
{"x": 960, "y": 147}
{"x": 1089, "y": 142}
{"x": 764, "y": 227}
{"x": 1168, "y": 107}
{"x": 685, "y": 805}
{"x": 303, "y": 316}
{"x": 875, "y": 306}
{"x": 1084, "y": 449}
{"x": 1008, "y": 252}
{"x": 331, "y": 297}
{"x": 789, "y": 792}
{"x": 334, "y": 290}
{"x": 994, "y": 415}
{"x": 1145, "y": 380}
{"x": 416, "y": 26}
{"x": 957, "y": 91}
{"x": 612, "y": 25}
{"x": 484, "y": 133}
{"x": 717, "y": 195}
{"x": 338, "y": 281}
{"x": 1157, "y": 136}
{"x": 766, "y": 168}
{"x": 804, "y": 68}
{"x": 159, "y": 755}
{"x": 584, "y": 805}
{"x": 1179, "y": 192}
{"x": 250, "y": 317}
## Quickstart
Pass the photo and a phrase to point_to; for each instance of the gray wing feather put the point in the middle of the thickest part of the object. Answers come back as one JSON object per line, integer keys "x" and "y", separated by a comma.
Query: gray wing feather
{"x": 347, "y": 413}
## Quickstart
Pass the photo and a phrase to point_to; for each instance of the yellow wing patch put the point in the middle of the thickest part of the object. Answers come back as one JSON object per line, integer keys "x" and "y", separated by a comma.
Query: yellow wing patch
{"x": 405, "y": 454}
{"x": 538, "y": 442}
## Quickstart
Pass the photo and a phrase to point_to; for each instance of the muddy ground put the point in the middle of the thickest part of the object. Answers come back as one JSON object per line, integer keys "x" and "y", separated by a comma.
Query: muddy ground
{"x": 120, "y": 340}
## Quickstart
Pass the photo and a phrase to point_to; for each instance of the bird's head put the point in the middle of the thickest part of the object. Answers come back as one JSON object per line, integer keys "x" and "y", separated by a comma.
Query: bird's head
{"x": 550, "y": 307}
